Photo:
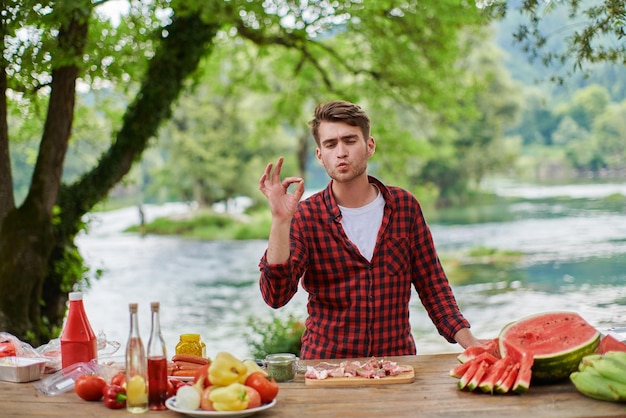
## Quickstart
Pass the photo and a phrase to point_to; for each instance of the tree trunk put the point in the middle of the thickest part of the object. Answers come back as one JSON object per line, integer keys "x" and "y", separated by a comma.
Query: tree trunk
{"x": 26, "y": 240}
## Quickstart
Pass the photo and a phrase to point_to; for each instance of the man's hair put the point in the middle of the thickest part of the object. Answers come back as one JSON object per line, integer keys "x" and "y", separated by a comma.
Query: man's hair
{"x": 340, "y": 111}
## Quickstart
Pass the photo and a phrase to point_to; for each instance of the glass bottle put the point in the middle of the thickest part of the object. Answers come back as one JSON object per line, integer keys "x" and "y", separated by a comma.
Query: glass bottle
{"x": 78, "y": 341}
{"x": 136, "y": 367}
{"x": 157, "y": 363}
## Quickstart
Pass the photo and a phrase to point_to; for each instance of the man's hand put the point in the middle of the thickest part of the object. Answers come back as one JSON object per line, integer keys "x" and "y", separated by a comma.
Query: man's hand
{"x": 465, "y": 338}
{"x": 283, "y": 205}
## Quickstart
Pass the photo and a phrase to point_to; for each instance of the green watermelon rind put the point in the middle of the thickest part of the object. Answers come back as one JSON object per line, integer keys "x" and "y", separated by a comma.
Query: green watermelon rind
{"x": 561, "y": 366}
{"x": 557, "y": 366}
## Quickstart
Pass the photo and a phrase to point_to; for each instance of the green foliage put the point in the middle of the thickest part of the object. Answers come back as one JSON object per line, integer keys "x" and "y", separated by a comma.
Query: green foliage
{"x": 274, "y": 335}
{"x": 597, "y": 36}
{"x": 207, "y": 225}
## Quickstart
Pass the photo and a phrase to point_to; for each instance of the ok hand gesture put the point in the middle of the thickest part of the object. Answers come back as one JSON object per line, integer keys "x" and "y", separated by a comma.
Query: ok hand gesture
{"x": 283, "y": 205}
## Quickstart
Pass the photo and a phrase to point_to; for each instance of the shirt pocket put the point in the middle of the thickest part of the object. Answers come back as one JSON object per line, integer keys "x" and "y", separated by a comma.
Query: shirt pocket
{"x": 397, "y": 258}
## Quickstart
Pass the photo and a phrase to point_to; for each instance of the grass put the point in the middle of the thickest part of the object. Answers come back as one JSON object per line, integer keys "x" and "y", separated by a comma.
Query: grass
{"x": 205, "y": 224}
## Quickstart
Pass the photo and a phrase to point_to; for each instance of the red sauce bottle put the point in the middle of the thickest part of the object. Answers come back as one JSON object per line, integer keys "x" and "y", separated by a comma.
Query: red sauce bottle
{"x": 157, "y": 363}
{"x": 78, "y": 341}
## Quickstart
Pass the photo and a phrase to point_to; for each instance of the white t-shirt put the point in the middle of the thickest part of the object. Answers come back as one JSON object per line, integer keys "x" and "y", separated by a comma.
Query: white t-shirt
{"x": 361, "y": 225}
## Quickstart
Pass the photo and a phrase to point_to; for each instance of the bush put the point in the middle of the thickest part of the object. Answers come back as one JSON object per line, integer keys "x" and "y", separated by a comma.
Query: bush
{"x": 275, "y": 335}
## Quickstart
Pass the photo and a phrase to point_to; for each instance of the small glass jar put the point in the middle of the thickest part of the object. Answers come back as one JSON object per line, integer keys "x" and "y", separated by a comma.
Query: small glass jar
{"x": 282, "y": 366}
{"x": 191, "y": 344}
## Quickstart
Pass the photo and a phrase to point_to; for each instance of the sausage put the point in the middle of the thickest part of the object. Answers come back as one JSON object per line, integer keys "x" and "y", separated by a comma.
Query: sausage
{"x": 183, "y": 373}
{"x": 185, "y": 365}
{"x": 191, "y": 359}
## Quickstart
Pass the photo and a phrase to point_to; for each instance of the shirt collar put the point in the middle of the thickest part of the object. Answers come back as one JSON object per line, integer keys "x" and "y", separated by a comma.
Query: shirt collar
{"x": 331, "y": 204}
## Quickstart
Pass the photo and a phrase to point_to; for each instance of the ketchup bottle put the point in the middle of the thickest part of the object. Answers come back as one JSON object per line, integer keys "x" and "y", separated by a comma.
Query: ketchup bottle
{"x": 78, "y": 341}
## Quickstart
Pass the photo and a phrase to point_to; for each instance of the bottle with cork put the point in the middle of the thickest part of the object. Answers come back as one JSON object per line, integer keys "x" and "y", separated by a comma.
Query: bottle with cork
{"x": 136, "y": 367}
{"x": 157, "y": 363}
{"x": 78, "y": 341}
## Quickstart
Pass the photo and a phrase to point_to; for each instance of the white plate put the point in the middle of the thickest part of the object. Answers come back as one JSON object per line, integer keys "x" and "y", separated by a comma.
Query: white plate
{"x": 171, "y": 404}
{"x": 182, "y": 378}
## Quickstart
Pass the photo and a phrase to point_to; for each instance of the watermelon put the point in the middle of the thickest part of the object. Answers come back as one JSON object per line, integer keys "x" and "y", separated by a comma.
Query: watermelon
{"x": 610, "y": 343}
{"x": 557, "y": 341}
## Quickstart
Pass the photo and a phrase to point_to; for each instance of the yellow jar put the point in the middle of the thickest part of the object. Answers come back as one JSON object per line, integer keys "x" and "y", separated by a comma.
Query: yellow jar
{"x": 192, "y": 345}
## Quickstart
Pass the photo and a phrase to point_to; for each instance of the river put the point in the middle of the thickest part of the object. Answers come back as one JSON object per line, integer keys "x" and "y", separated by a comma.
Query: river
{"x": 575, "y": 259}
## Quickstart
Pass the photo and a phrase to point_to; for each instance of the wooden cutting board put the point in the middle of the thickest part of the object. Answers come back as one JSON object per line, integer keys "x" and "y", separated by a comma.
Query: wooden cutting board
{"x": 406, "y": 377}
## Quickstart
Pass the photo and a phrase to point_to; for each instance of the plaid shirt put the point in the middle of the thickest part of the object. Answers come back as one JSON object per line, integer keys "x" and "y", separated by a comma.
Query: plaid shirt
{"x": 359, "y": 308}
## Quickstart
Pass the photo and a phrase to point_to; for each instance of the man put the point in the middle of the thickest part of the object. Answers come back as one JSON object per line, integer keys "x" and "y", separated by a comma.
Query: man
{"x": 357, "y": 246}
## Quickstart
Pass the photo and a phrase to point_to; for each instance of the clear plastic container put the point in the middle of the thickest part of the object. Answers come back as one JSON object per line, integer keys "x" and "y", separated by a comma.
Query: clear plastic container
{"x": 63, "y": 380}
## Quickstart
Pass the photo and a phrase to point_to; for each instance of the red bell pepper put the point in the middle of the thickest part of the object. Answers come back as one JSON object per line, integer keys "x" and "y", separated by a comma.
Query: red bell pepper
{"x": 114, "y": 396}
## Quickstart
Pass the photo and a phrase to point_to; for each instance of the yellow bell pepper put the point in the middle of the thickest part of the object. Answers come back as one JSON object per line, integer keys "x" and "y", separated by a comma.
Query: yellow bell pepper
{"x": 226, "y": 369}
{"x": 252, "y": 367}
{"x": 233, "y": 397}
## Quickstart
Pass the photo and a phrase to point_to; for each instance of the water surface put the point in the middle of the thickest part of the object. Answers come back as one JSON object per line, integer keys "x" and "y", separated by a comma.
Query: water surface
{"x": 574, "y": 259}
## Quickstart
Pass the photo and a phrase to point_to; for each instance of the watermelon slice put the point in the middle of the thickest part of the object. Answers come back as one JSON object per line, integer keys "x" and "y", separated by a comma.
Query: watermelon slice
{"x": 469, "y": 373}
{"x": 460, "y": 370}
{"x": 490, "y": 347}
{"x": 494, "y": 373}
{"x": 478, "y": 376}
{"x": 525, "y": 361}
{"x": 610, "y": 343}
{"x": 505, "y": 383}
{"x": 557, "y": 341}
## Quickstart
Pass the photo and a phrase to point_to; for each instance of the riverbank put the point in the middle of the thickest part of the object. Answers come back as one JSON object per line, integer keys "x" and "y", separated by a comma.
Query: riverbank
{"x": 464, "y": 264}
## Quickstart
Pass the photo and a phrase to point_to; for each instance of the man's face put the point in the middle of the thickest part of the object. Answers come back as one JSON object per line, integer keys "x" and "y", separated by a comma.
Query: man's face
{"x": 343, "y": 151}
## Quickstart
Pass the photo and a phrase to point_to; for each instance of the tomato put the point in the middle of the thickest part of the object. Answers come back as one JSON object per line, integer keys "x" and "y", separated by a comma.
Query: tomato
{"x": 89, "y": 387}
{"x": 203, "y": 371}
{"x": 170, "y": 388}
{"x": 254, "y": 397}
{"x": 119, "y": 379}
{"x": 205, "y": 402}
{"x": 265, "y": 385}
{"x": 173, "y": 385}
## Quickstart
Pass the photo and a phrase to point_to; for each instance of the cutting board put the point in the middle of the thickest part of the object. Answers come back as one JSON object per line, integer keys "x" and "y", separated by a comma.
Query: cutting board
{"x": 406, "y": 377}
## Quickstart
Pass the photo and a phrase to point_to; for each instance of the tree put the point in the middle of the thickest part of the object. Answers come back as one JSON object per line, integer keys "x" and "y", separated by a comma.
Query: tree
{"x": 39, "y": 263}
{"x": 586, "y": 104}
{"x": 596, "y": 37}
{"x": 50, "y": 47}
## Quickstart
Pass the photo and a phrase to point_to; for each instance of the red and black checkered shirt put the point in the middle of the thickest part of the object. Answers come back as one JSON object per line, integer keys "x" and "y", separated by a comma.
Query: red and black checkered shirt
{"x": 359, "y": 308}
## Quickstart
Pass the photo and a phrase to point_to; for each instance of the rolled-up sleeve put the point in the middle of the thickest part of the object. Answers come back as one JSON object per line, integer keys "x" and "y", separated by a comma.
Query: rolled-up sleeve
{"x": 277, "y": 284}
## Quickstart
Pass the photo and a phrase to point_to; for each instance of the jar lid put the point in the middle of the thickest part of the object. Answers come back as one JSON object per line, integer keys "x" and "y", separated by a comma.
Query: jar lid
{"x": 280, "y": 358}
{"x": 190, "y": 337}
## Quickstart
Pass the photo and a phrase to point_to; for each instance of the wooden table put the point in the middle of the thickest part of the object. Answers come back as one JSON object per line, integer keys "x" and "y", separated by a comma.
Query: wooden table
{"x": 433, "y": 394}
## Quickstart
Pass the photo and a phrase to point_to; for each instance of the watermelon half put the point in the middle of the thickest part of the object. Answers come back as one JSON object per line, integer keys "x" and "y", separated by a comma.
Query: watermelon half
{"x": 556, "y": 340}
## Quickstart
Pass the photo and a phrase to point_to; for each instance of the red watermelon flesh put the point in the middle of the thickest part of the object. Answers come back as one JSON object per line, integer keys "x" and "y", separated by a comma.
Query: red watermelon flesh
{"x": 460, "y": 370}
{"x": 610, "y": 343}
